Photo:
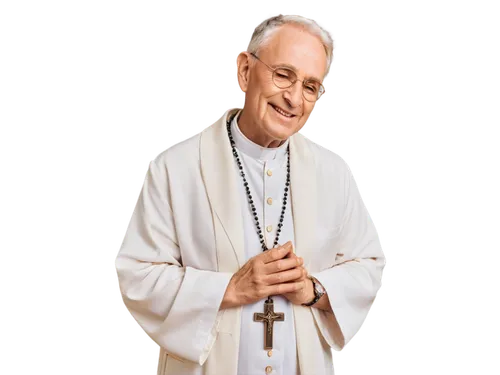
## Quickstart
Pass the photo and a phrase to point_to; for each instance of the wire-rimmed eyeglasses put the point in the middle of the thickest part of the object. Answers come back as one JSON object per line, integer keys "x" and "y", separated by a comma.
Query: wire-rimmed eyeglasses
{"x": 284, "y": 78}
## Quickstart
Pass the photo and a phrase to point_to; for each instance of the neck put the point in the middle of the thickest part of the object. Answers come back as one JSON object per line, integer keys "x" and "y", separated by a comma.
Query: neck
{"x": 252, "y": 132}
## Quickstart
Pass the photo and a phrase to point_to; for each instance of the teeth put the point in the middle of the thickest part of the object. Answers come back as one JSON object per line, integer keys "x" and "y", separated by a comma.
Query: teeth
{"x": 280, "y": 111}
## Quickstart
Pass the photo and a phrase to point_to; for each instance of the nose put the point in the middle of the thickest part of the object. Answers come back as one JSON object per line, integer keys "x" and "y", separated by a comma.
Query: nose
{"x": 293, "y": 94}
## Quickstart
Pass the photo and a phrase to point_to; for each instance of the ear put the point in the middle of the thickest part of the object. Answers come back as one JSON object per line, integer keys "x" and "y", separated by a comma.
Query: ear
{"x": 244, "y": 63}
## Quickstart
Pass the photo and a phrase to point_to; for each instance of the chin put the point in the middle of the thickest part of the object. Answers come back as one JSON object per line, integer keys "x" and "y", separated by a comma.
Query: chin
{"x": 278, "y": 131}
{"x": 278, "y": 127}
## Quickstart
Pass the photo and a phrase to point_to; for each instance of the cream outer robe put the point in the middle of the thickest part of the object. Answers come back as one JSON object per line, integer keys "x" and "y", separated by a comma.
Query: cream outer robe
{"x": 185, "y": 241}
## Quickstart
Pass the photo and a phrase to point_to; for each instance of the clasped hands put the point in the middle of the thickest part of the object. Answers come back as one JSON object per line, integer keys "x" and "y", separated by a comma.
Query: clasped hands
{"x": 306, "y": 293}
{"x": 277, "y": 271}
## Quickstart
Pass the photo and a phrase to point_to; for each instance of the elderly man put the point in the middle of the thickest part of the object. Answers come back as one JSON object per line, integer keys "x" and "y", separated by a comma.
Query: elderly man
{"x": 250, "y": 250}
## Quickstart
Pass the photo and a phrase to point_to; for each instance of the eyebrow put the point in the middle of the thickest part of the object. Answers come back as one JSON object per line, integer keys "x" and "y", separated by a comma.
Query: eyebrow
{"x": 291, "y": 67}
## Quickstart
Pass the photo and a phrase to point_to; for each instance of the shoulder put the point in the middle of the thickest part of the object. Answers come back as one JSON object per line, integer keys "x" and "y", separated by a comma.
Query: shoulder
{"x": 183, "y": 153}
{"x": 332, "y": 171}
{"x": 326, "y": 160}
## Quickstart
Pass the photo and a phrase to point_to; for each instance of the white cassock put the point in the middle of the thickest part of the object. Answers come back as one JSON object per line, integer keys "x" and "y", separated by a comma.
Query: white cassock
{"x": 191, "y": 230}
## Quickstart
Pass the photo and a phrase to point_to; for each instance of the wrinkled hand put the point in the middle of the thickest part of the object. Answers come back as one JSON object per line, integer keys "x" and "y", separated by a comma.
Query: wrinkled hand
{"x": 305, "y": 294}
{"x": 272, "y": 272}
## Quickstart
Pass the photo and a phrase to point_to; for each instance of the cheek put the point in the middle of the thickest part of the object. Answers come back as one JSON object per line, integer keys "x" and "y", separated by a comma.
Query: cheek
{"x": 264, "y": 98}
{"x": 258, "y": 96}
{"x": 267, "y": 84}
{"x": 307, "y": 112}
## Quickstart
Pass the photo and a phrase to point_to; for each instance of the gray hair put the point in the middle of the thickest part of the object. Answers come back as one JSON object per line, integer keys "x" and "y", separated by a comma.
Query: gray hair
{"x": 266, "y": 29}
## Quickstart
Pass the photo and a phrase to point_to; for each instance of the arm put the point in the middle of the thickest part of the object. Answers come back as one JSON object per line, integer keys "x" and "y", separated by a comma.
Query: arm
{"x": 229, "y": 299}
{"x": 323, "y": 303}
{"x": 353, "y": 282}
{"x": 178, "y": 307}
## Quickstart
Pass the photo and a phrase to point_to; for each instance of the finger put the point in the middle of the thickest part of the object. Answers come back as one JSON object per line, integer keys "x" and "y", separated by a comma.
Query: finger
{"x": 292, "y": 251}
{"x": 276, "y": 253}
{"x": 305, "y": 274}
{"x": 286, "y": 288}
{"x": 282, "y": 265}
{"x": 285, "y": 276}
{"x": 302, "y": 272}
{"x": 291, "y": 254}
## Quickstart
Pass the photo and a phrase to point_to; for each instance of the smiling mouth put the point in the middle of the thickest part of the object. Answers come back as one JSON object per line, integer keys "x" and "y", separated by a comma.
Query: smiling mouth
{"x": 282, "y": 112}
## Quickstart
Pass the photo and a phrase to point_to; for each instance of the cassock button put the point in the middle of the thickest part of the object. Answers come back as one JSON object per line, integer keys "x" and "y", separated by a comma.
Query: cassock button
{"x": 269, "y": 200}
{"x": 269, "y": 172}
{"x": 269, "y": 369}
{"x": 269, "y": 228}
{"x": 269, "y": 353}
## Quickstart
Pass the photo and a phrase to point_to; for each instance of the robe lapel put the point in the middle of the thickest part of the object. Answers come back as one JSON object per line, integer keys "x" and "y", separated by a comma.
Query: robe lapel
{"x": 219, "y": 174}
{"x": 304, "y": 197}
{"x": 305, "y": 205}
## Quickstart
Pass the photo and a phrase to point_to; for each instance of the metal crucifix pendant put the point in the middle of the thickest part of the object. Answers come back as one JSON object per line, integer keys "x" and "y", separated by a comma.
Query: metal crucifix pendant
{"x": 268, "y": 317}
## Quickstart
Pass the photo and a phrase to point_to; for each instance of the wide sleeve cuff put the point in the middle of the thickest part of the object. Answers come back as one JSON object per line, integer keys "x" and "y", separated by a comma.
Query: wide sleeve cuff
{"x": 190, "y": 329}
{"x": 351, "y": 288}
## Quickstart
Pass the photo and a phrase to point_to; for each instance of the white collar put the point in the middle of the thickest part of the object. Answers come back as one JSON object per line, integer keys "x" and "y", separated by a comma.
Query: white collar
{"x": 252, "y": 149}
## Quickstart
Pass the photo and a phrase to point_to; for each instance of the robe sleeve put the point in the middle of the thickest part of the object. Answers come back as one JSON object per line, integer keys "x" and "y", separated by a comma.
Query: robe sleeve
{"x": 353, "y": 281}
{"x": 177, "y": 306}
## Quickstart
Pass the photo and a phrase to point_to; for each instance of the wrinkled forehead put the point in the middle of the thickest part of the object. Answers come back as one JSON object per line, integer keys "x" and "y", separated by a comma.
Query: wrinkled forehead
{"x": 297, "y": 49}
